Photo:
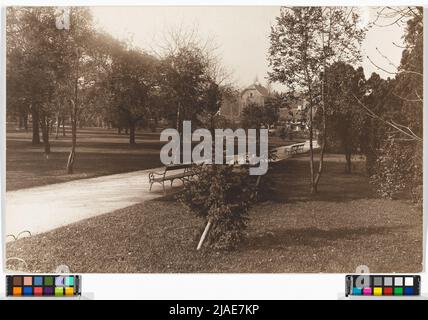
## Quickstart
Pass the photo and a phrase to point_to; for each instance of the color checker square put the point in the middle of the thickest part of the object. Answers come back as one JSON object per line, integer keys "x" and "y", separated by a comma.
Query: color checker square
{"x": 367, "y": 291}
{"x": 49, "y": 291}
{"x": 38, "y": 281}
{"x": 59, "y": 291}
{"x": 387, "y": 291}
{"x": 69, "y": 281}
{"x": 69, "y": 291}
{"x": 48, "y": 281}
{"x": 387, "y": 281}
{"x": 408, "y": 291}
{"x": 28, "y": 281}
{"x": 357, "y": 291}
{"x": 38, "y": 291}
{"x": 28, "y": 291}
{"x": 17, "y": 291}
{"x": 398, "y": 281}
{"x": 17, "y": 281}
{"x": 59, "y": 281}
{"x": 398, "y": 291}
{"x": 377, "y": 291}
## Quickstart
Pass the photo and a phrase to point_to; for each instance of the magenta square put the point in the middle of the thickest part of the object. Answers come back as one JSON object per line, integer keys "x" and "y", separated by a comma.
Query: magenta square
{"x": 367, "y": 291}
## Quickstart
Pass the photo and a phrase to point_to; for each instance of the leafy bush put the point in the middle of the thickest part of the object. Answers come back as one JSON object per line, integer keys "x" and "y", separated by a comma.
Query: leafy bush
{"x": 221, "y": 194}
{"x": 398, "y": 168}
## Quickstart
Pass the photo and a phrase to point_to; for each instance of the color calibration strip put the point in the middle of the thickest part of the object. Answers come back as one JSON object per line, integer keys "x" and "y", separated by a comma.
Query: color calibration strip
{"x": 43, "y": 285}
{"x": 383, "y": 285}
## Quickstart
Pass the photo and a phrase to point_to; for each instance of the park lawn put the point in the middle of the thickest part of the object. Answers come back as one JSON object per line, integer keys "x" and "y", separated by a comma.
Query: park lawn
{"x": 343, "y": 227}
{"x": 99, "y": 152}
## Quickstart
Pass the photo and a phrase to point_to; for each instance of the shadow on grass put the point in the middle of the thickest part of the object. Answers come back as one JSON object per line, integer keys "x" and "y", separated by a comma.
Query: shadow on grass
{"x": 291, "y": 182}
{"x": 312, "y": 237}
{"x": 28, "y": 169}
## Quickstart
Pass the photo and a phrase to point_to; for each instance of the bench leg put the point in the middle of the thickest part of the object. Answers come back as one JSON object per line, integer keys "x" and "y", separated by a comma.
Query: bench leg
{"x": 163, "y": 186}
{"x": 172, "y": 180}
{"x": 151, "y": 183}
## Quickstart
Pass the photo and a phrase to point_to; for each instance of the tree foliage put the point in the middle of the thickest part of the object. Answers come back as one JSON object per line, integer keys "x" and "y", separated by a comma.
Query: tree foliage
{"x": 345, "y": 119}
{"x": 304, "y": 42}
{"x": 397, "y": 166}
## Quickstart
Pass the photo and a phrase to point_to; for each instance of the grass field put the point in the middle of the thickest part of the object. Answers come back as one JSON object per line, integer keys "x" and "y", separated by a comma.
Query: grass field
{"x": 343, "y": 227}
{"x": 99, "y": 152}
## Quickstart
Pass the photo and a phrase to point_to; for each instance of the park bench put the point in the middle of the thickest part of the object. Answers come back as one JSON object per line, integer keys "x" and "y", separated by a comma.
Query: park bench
{"x": 189, "y": 170}
{"x": 296, "y": 148}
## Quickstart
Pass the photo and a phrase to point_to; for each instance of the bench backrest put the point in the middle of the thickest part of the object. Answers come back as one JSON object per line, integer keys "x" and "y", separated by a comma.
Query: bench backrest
{"x": 178, "y": 166}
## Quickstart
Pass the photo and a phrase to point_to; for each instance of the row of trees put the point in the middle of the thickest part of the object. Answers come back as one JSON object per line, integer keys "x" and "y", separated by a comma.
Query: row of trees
{"x": 77, "y": 73}
{"x": 314, "y": 50}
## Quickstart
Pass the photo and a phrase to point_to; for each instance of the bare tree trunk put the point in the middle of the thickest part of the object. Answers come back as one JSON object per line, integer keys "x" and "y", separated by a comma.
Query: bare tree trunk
{"x": 26, "y": 121}
{"x": 72, "y": 155}
{"x": 324, "y": 115}
{"x": 73, "y": 118}
{"x": 311, "y": 142}
{"x": 58, "y": 125}
{"x": 177, "y": 125}
{"x": 63, "y": 126}
{"x": 35, "y": 119}
{"x": 44, "y": 123}
{"x": 132, "y": 132}
{"x": 348, "y": 165}
{"x": 324, "y": 136}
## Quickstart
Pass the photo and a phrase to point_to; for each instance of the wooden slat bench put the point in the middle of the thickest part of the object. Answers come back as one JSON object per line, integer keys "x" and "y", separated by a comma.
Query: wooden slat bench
{"x": 296, "y": 148}
{"x": 189, "y": 170}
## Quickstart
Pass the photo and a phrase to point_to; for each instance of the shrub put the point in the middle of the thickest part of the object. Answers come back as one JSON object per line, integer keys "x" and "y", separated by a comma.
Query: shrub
{"x": 398, "y": 168}
{"x": 221, "y": 194}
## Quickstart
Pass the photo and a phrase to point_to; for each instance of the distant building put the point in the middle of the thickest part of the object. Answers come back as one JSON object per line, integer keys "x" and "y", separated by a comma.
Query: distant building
{"x": 295, "y": 115}
{"x": 255, "y": 93}
{"x": 233, "y": 104}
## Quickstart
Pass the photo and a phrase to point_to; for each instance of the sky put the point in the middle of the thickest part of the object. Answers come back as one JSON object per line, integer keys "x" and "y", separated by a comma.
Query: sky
{"x": 240, "y": 33}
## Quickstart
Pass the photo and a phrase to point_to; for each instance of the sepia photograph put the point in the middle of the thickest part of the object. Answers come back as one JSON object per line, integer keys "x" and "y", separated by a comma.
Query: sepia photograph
{"x": 214, "y": 139}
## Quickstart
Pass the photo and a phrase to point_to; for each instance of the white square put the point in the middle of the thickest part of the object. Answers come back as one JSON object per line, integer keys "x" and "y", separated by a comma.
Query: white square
{"x": 398, "y": 281}
{"x": 408, "y": 281}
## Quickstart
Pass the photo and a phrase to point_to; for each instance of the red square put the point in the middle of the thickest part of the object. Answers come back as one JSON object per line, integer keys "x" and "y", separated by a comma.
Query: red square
{"x": 387, "y": 291}
{"x": 38, "y": 291}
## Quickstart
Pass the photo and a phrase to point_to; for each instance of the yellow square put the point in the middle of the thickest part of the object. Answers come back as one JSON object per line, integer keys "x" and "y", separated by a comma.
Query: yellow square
{"x": 69, "y": 291}
{"x": 377, "y": 291}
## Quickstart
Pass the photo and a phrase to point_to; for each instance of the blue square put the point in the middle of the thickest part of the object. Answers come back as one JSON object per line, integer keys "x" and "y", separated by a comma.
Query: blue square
{"x": 28, "y": 291}
{"x": 357, "y": 291}
{"x": 38, "y": 281}
{"x": 408, "y": 291}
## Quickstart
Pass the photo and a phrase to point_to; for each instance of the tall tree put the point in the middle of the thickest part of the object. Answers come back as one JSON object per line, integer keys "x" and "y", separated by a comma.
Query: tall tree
{"x": 345, "y": 119}
{"x": 304, "y": 42}
{"x": 398, "y": 165}
{"x": 132, "y": 83}
{"x": 192, "y": 78}
{"x": 31, "y": 65}
{"x": 77, "y": 68}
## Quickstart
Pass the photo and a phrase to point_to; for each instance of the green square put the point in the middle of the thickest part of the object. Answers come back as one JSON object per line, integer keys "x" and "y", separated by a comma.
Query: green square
{"x": 398, "y": 291}
{"x": 59, "y": 291}
{"x": 48, "y": 281}
{"x": 69, "y": 281}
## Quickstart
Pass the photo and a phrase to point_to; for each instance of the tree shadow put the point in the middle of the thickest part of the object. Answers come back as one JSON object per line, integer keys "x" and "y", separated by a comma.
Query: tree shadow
{"x": 291, "y": 182}
{"x": 313, "y": 237}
